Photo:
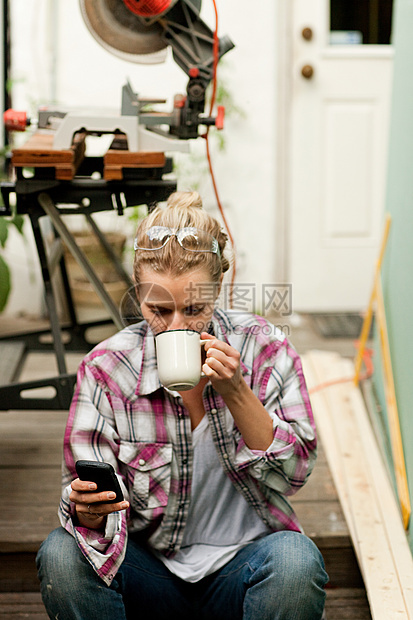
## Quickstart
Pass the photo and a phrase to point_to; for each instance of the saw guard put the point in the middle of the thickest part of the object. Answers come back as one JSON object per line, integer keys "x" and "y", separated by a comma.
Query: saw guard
{"x": 122, "y": 33}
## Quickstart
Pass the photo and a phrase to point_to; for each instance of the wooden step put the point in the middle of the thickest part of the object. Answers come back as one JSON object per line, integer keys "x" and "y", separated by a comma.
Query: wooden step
{"x": 16, "y": 605}
{"x": 18, "y": 572}
{"x": 320, "y": 513}
{"x": 347, "y": 604}
{"x": 30, "y": 463}
{"x": 31, "y": 445}
{"x": 341, "y": 604}
{"x": 30, "y": 466}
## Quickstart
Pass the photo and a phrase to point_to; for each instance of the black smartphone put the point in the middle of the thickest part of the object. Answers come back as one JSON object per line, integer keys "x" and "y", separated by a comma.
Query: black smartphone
{"x": 104, "y": 476}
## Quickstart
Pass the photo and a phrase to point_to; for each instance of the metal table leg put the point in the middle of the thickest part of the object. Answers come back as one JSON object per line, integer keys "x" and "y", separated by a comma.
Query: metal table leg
{"x": 49, "y": 208}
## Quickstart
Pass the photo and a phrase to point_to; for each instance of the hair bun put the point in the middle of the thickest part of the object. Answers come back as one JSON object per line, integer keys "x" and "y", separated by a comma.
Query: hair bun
{"x": 184, "y": 200}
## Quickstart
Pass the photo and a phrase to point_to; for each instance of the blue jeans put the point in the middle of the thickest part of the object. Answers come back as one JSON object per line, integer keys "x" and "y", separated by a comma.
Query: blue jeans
{"x": 278, "y": 577}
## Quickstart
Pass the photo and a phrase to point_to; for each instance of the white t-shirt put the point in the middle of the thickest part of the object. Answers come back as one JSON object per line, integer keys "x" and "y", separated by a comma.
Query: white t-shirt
{"x": 220, "y": 521}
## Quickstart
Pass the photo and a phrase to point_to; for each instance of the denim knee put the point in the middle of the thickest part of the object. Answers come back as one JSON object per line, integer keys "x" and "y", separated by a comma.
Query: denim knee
{"x": 60, "y": 563}
{"x": 287, "y": 579}
{"x": 302, "y": 554}
{"x": 70, "y": 587}
{"x": 296, "y": 558}
{"x": 56, "y": 554}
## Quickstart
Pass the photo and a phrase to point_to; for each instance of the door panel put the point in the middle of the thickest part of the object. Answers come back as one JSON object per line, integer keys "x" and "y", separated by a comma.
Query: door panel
{"x": 339, "y": 129}
{"x": 346, "y": 206}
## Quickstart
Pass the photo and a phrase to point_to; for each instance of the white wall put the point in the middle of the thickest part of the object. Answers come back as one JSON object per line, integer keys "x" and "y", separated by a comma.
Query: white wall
{"x": 55, "y": 57}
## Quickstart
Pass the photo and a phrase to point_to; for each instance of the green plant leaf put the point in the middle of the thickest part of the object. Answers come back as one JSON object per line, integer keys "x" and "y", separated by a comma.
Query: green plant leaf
{"x": 4, "y": 231}
{"x": 5, "y": 285}
{"x": 18, "y": 221}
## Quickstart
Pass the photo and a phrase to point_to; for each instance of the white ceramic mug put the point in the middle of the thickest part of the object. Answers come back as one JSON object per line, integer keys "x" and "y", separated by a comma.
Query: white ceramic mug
{"x": 178, "y": 353}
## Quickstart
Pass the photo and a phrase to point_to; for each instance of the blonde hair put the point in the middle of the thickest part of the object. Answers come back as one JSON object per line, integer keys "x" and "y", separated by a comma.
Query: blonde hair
{"x": 182, "y": 209}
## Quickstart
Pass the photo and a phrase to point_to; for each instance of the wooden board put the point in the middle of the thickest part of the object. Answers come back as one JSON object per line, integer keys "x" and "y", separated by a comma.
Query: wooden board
{"x": 38, "y": 152}
{"x": 18, "y": 572}
{"x": 341, "y": 604}
{"x": 16, "y": 605}
{"x": 364, "y": 488}
{"x": 347, "y": 604}
{"x": 31, "y": 439}
{"x": 31, "y": 445}
{"x": 118, "y": 157}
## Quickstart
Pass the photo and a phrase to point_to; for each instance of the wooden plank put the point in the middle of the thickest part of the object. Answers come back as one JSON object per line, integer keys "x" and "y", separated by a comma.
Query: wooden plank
{"x": 39, "y": 146}
{"x": 139, "y": 159}
{"x": 11, "y": 356}
{"x": 38, "y": 152}
{"x": 31, "y": 439}
{"x": 31, "y": 444}
{"x": 322, "y": 519}
{"x": 15, "y": 605}
{"x": 375, "y": 560}
{"x": 359, "y": 485}
{"x": 387, "y": 502}
{"x": 115, "y": 161}
{"x": 21, "y": 486}
{"x": 16, "y": 597}
{"x": 18, "y": 572}
{"x": 32, "y": 498}
{"x": 328, "y": 437}
{"x": 19, "y": 538}
{"x": 347, "y": 604}
{"x": 341, "y": 604}
{"x": 342, "y": 567}
{"x": 119, "y": 157}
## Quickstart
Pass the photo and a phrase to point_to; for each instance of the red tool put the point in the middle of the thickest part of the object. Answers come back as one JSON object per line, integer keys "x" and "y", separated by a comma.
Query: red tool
{"x": 15, "y": 121}
{"x": 147, "y": 8}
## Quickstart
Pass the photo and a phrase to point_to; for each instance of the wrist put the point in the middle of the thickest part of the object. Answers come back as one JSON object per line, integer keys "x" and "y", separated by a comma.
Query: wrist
{"x": 91, "y": 521}
{"x": 236, "y": 394}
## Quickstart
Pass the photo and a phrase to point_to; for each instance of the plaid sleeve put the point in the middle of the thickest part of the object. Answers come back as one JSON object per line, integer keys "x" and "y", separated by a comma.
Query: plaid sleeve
{"x": 278, "y": 381}
{"x": 90, "y": 434}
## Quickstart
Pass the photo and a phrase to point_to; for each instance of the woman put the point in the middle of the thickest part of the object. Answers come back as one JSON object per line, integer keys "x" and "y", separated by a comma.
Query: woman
{"x": 205, "y": 530}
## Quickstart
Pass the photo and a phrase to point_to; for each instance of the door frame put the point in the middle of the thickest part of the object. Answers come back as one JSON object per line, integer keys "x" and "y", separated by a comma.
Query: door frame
{"x": 283, "y": 132}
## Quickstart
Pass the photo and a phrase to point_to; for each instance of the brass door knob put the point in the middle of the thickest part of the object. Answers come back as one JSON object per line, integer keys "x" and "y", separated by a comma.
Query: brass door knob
{"x": 307, "y": 34}
{"x": 307, "y": 71}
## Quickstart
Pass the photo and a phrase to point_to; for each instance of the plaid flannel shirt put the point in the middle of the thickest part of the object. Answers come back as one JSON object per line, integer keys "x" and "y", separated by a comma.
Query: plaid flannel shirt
{"x": 121, "y": 414}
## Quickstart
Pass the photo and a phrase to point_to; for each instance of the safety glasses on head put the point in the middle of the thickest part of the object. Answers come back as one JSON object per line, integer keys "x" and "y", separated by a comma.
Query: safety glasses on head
{"x": 189, "y": 238}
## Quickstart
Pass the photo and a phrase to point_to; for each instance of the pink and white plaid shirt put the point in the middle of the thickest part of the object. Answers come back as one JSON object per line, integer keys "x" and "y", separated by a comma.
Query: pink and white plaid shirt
{"x": 121, "y": 414}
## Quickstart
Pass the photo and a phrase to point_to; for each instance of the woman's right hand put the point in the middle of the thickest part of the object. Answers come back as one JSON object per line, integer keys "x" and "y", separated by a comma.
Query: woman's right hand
{"x": 90, "y": 514}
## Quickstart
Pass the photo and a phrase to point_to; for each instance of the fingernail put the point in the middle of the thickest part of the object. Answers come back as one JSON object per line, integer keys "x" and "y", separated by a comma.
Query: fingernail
{"x": 111, "y": 495}
{"x": 92, "y": 486}
{"x": 124, "y": 505}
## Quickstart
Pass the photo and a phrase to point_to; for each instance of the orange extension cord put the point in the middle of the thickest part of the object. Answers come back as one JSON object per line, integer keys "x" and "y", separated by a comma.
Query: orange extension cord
{"x": 368, "y": 362}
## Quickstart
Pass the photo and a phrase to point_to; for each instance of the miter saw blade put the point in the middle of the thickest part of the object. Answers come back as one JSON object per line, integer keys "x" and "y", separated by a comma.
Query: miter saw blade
{"x": 123, "y": 33}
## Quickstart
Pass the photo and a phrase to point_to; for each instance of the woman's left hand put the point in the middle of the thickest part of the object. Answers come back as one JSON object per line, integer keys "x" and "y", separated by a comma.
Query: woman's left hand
{"x": 222, "y": 365}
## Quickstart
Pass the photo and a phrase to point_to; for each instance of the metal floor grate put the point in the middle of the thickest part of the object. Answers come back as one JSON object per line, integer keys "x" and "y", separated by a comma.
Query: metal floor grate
{"x": 337, "y": 325}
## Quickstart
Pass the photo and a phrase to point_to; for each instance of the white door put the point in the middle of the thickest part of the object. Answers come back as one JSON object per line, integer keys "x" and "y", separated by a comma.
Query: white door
{"x": 339, "y": 120}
